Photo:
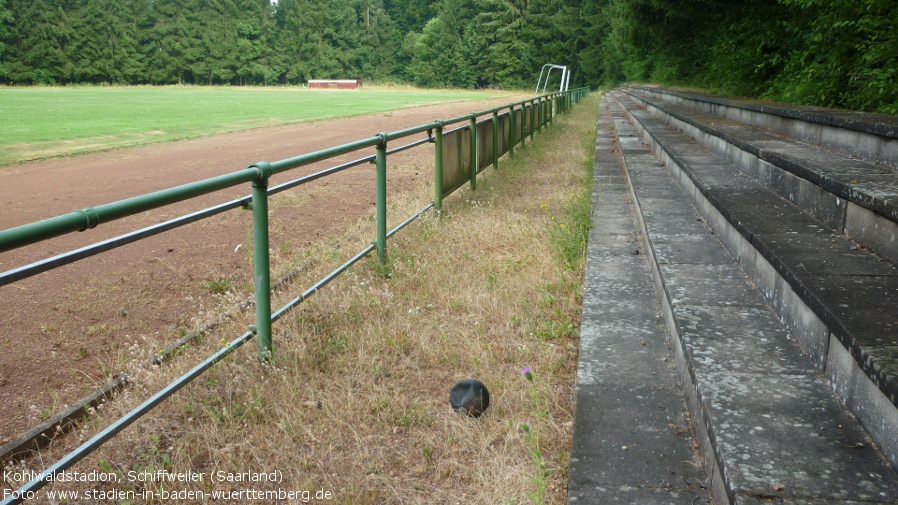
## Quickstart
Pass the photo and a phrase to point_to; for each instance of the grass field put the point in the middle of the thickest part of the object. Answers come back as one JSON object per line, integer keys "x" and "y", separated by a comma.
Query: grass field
{"x": 42, "y": 122}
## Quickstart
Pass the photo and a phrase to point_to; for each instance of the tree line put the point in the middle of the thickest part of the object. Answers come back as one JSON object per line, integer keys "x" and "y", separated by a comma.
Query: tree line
{"x": 460, "y": 43}
{"x": 841, "y": 53}
{"x": 826, "y": 52}
{"x": 193, "y": 41}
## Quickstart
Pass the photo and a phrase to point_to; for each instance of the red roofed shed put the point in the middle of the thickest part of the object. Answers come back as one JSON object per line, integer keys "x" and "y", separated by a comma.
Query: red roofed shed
{"x": 335, "y": 83}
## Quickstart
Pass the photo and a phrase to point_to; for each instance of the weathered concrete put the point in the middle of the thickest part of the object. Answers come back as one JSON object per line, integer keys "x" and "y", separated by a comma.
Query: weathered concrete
{"x": 787, "y": 431}
{"x": 877, "y": 232}
{"x": 863, "y": 397}
{"x": 633, "y": 439}
{"x": 817, "y": 181}
{"x": 758, "y": 217}
{"x": 776, "y": 432}
{"x": 867, "y": 136}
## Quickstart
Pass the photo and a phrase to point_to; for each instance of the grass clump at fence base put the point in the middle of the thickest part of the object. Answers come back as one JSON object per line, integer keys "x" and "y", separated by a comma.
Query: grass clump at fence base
{"x": 355, "y": 401}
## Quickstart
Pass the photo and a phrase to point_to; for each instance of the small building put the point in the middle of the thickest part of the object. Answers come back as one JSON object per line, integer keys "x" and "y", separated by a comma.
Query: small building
{"x": 335, "y": 83}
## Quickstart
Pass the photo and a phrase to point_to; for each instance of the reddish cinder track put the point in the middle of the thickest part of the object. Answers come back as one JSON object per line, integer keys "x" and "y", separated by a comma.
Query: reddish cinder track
{"x": 60, "y": 328}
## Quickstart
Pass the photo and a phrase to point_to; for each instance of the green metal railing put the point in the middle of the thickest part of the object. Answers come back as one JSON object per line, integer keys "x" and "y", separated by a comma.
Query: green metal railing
{"x": 507, "y": 128}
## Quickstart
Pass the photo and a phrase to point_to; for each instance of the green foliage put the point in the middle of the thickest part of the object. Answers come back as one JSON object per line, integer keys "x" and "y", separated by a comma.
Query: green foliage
{"x": 6, "y": 20}
{"x": 438, "y": 61}
{"x": 410, "y": 15}
{"x": 841, "y": 53}
{"x": 218, "y": 286}
{"x": 236, "y": 42}
{"x": 845, "y": 55}
{"x": 499, "y": 43}
{"x": 436, "y": 43}
{"x": 825, "y": 52}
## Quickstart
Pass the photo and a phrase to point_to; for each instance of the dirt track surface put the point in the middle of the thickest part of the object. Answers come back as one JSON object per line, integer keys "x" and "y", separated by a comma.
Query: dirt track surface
{"x": 61, "y": 331}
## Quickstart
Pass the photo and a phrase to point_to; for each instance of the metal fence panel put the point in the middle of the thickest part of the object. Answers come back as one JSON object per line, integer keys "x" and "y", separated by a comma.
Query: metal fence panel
{"x": 484, "y": 144}
{"x": 456, "y": 159}
{"x": 504, "y": 129}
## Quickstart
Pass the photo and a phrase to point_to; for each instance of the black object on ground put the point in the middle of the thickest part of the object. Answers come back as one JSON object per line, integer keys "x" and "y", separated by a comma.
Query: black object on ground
{"x": 469, "y": 397}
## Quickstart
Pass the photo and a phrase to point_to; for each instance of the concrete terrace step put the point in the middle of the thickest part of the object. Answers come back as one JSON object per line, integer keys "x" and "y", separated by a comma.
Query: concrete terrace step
{"x": 770, "y": 428}
{"x": 769, "y": 421}
{"x": 850, "y": 193}
{"x": 837, "y": 297}
{"x": 870, "y": 137}
{"x": 633, "y": 441}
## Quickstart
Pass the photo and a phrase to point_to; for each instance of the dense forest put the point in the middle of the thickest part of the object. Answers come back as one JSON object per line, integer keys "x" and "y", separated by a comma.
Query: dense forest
{"x": 460, "y": 43}
{"x": 827, "y": 52}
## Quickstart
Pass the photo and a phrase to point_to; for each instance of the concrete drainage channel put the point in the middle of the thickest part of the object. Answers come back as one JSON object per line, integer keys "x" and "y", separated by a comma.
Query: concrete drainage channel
{"x": 752, "y": 358}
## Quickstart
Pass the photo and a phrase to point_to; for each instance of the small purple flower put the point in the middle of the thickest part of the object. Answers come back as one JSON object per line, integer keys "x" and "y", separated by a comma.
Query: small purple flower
{"x": 527, "y": 373}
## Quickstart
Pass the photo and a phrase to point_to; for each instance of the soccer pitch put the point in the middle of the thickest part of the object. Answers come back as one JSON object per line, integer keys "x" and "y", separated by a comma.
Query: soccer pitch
{"x": 42, "y": 122}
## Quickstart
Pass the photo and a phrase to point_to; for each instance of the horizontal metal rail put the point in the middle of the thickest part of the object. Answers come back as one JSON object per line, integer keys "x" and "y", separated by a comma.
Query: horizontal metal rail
{"x": 342, "y": 268}
{"x": 26, "y": 491}
{"x": 86, "y": 448}
{"x": 87, "y": 218}
{"x": 23, "y": 272}
{"x": 541, "y": 113}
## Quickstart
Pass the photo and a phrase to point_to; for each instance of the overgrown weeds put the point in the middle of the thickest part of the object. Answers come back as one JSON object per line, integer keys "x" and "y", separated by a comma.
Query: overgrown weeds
{"x": 355, "y": 399}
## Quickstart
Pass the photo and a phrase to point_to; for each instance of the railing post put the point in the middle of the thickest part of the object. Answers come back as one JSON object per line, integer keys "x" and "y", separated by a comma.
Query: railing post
{"x": 472, "y": 126}
{"x": 511, "y": 132}
{"x": 261, "y": 261}
{"x": 539, "y": 114}
{"x": 532, "y": 119}
{"x": 495, "y": 140}
{"x": 380, "y": 161}
{"x": 438, "y": 168}
{"x": 523, "y": 124}
{"x": 535, "y": 114}
{"x": 551, "y": 108}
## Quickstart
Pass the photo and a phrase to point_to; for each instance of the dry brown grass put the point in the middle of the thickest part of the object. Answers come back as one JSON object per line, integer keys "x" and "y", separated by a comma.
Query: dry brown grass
{"x": 355, "y": 401}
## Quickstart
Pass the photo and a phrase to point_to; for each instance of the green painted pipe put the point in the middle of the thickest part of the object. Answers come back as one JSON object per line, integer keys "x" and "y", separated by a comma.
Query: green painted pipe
{"x": 261, "y": 263}
{"x": 380, "y": 162}
{"x": 438, "y": 168}
{"x": 472, "y": 126}
{"x": 532, "y": 119}
{"x": 84, "y": 219}
{"x": 495, "y": 140}
{"x": 511, "y": 131}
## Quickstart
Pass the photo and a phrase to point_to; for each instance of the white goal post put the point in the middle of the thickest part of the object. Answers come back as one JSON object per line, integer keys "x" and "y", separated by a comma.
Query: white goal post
{"x": 565, "y": 77}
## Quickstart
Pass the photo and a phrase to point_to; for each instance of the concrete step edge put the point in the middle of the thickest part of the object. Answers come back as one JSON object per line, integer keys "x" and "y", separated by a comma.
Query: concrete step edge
{"x": 845, "y": 131}
{"x": 723, "y": 491}
{"x": 864, "y": 208}
{"x": 860, "y": 392}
